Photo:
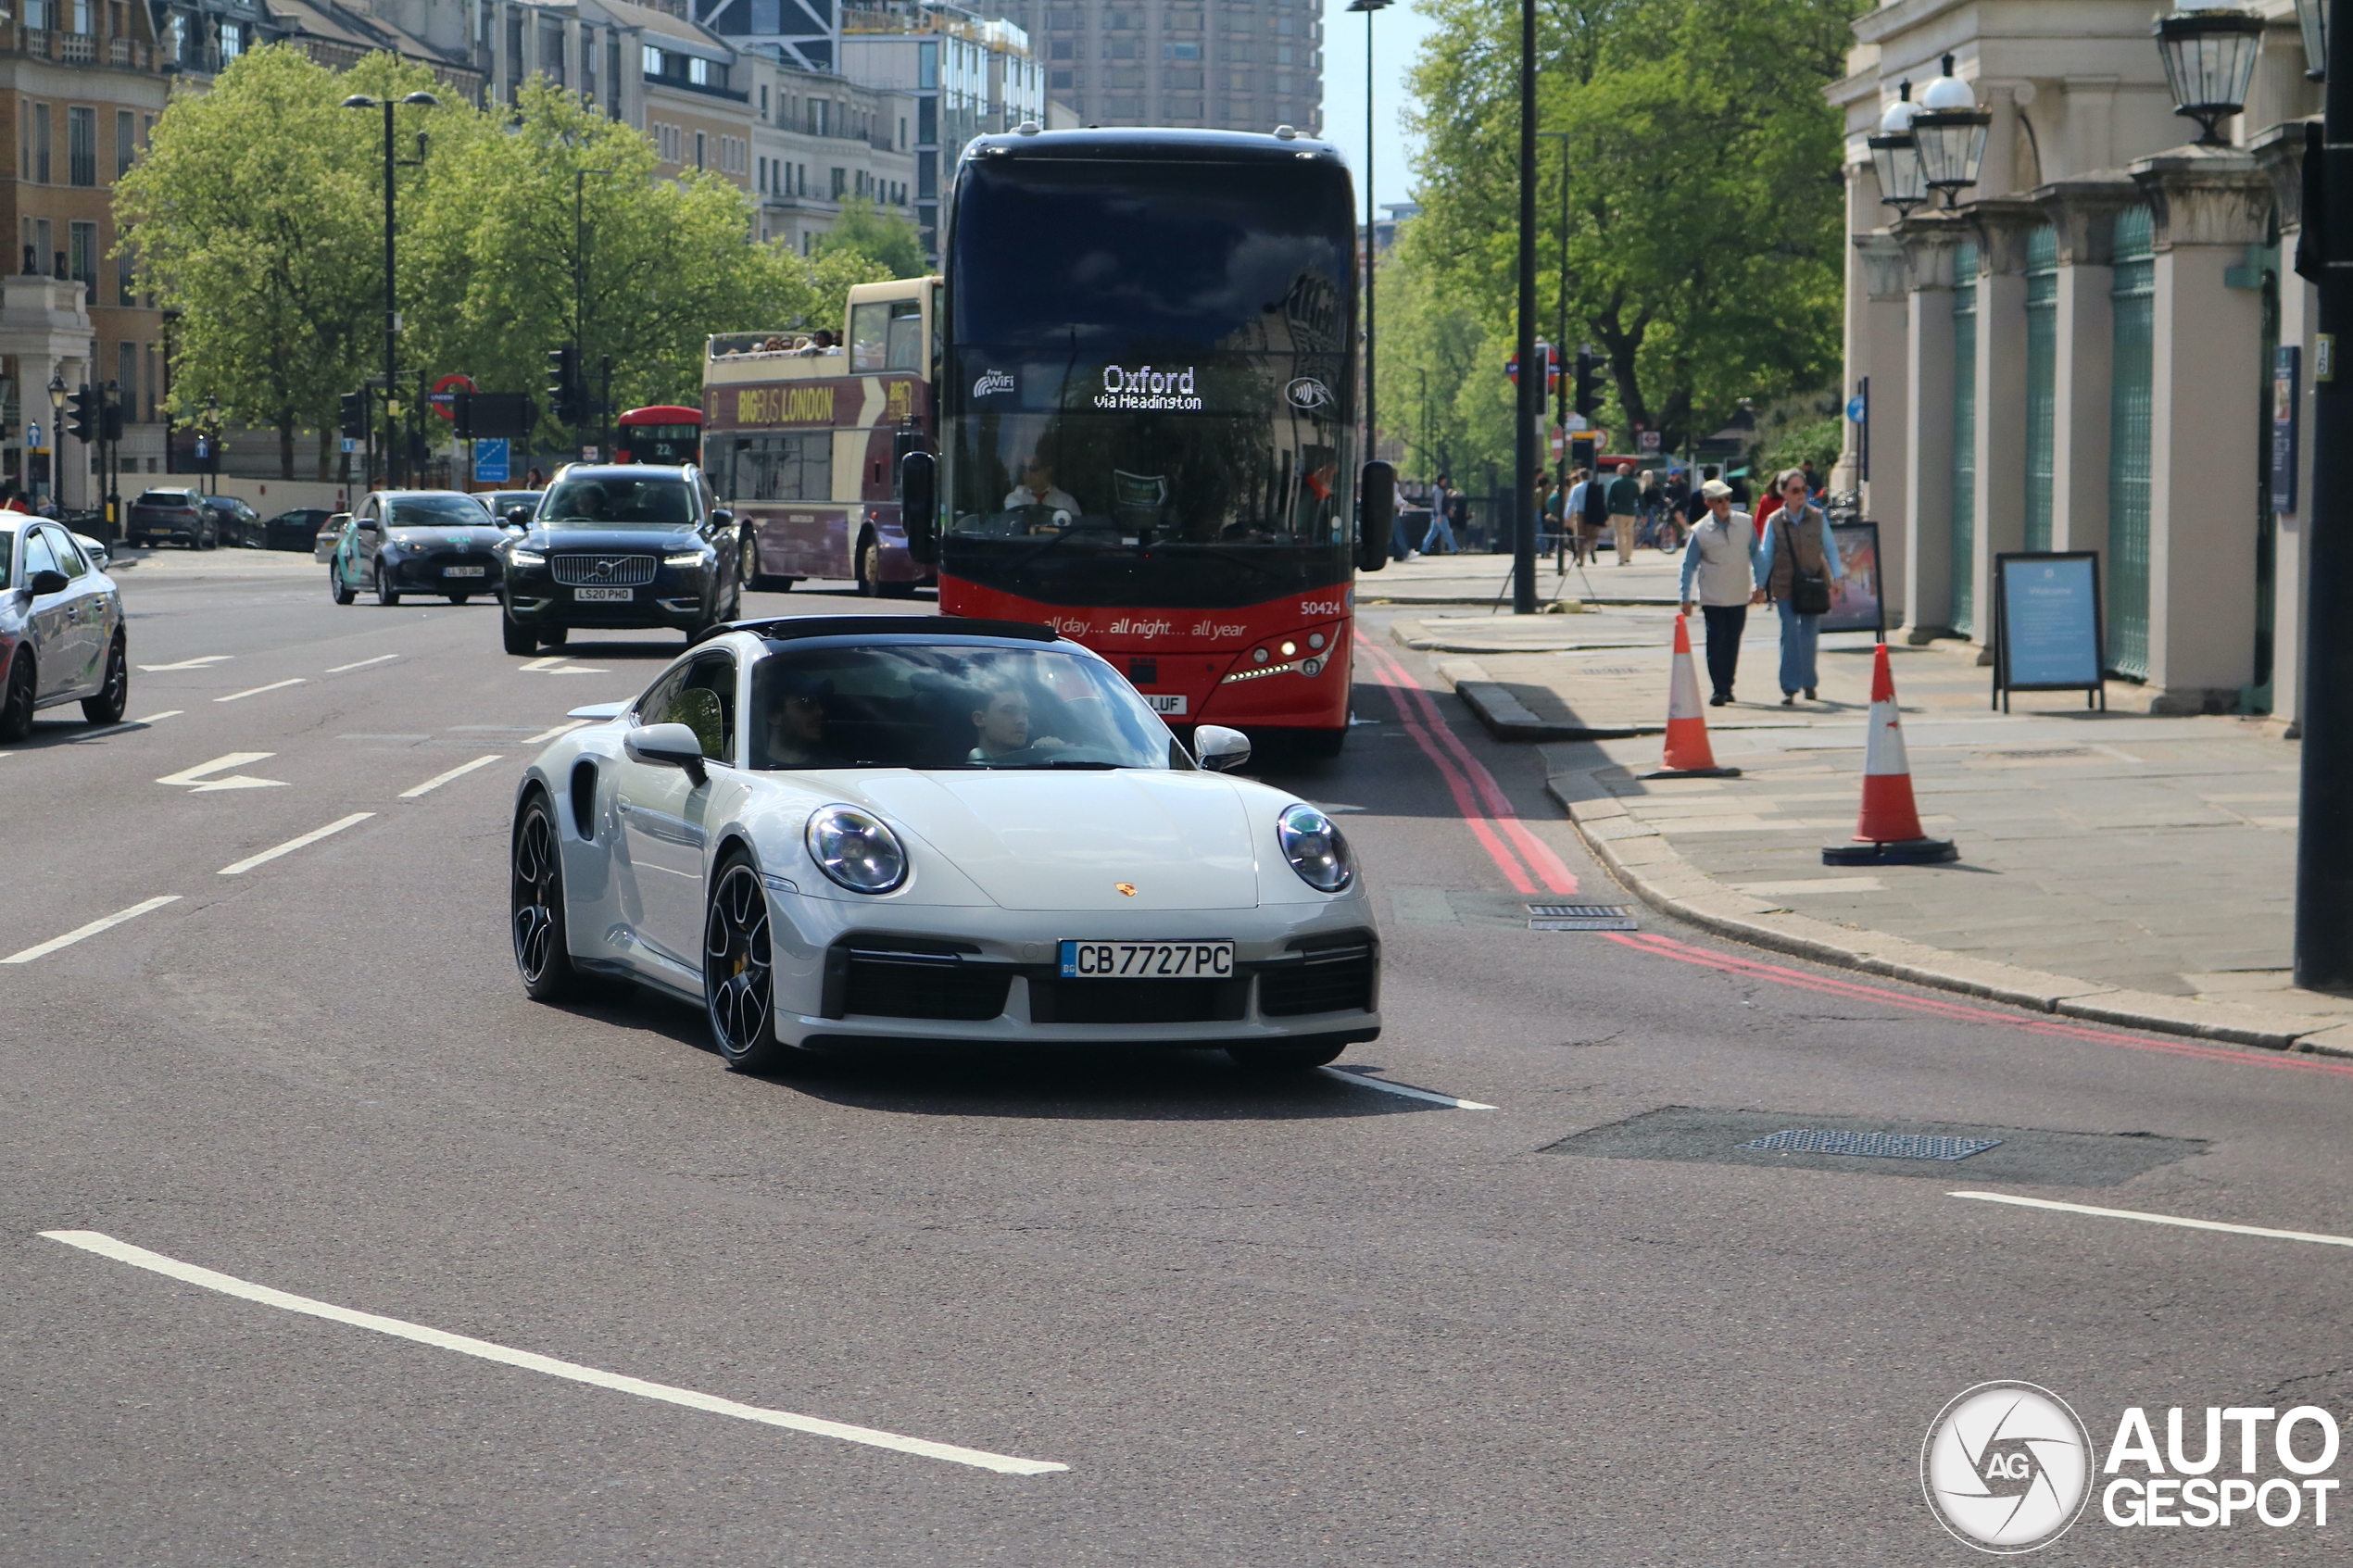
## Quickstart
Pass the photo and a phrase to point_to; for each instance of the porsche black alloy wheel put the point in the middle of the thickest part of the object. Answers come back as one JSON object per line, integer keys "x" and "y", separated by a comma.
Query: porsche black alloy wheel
{"x": 107, "y": 706}
{"x": 538, "y": 901}
{"x": 736, "y": 983}
{"x": 15, "y": 703}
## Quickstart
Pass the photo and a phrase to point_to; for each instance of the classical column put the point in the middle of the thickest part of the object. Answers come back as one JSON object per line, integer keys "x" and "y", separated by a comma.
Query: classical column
{"x": 2082, "y": 212}
{"x": 2206, "y": 382}
{"x": 2280, "y": 154}
{"x": 1929, "y": 241}
{"x": 2004, "y": 229}
{"x": 1879, "y": 347}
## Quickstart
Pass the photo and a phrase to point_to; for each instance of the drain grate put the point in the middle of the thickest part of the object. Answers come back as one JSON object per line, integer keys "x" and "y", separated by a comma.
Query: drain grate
{"x": 1579, "y": 917}
{"x": 1884, "y": 1145}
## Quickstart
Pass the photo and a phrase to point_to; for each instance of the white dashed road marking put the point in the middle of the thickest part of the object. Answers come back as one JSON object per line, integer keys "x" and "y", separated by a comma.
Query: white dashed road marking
{"x": 2157, "y": 1219}
{"x": 290, "y": 845}
{"x": 1349, "y": 1076}
{"x": 44, "y": 949}
{"x": 460, "y": 772}
{"x": 257, "y": 691}
{"x": 210, "y": 659}
{"x": 229, "y": 1285}
{"x": 565, "y": 728}
{"x": 362, "y": 664}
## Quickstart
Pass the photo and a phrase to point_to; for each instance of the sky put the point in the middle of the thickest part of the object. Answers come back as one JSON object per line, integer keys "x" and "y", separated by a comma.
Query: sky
{"x": 1398, "y": 34}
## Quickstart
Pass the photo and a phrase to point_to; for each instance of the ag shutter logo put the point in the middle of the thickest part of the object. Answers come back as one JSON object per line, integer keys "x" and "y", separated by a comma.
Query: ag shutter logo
{"x": 1308, "y": 393}
{"x": 993, "y": 382}
{"x": 2006, "y": 1467}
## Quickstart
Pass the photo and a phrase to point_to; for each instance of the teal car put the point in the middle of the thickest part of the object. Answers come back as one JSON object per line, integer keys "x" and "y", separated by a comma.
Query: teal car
{"x": 439, "y": 542}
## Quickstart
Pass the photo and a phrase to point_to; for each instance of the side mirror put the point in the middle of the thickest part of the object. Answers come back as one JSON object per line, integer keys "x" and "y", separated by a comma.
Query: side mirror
{"x": 370, "y": 525}
{"x": 721, "y": 518}
{"x": 919, "y": 504}
{"x": 1221, "y": 750}
{"x": 666, "y": 746}
{"x": 50, "y": 582}
{"x": 519, "y": 517}
{"x": 1375, "y": 515}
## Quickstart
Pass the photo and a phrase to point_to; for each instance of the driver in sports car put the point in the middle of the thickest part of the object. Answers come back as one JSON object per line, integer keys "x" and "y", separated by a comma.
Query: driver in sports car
{"x": 797, "y": 728}
{"x": 1002, "y": 725}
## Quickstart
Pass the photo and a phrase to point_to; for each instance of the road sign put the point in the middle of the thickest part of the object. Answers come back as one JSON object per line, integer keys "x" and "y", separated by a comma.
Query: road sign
{"x": 445, "y": 394}
{"x": 1856, "y": 408}
{"x": 349, "y": 446}
{"x": 32, "y": 442}
{"x": 589, "y": 454}
{"x": 1650, "y": 440}
{"x": 491, "y": 461}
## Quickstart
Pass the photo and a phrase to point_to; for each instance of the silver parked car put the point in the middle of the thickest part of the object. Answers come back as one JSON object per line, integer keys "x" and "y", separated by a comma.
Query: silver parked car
{"x": 61, "y": 631}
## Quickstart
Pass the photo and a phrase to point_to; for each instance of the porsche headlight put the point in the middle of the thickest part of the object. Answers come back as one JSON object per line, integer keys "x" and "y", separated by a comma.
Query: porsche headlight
{"x": 1316, "y": 849}
{"x": 855, "y": 850}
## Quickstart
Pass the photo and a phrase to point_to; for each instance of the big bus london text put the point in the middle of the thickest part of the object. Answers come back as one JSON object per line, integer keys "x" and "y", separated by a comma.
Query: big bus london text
{"x": 1146, "y": 414}
{"x": 802, "y": 434}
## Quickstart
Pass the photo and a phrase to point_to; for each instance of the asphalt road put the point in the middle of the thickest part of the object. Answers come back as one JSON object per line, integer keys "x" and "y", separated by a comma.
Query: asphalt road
{"x": 1296, "y": 1323}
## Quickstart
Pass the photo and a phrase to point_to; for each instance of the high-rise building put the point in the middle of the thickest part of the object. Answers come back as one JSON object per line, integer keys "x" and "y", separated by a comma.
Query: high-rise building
{"x": 1232, "y": 65}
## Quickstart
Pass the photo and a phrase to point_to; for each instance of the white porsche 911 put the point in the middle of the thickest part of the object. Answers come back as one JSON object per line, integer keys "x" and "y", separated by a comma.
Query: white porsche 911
{"x": 838, "y": 831}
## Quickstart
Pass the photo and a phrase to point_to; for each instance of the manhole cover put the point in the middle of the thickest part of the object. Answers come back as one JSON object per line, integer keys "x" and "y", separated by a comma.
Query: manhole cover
{"x": 1579, "y": 917}
{"x": 1883, "y": 1145}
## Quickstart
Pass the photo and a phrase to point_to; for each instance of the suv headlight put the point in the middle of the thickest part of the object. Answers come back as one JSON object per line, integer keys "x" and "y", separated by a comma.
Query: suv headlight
{"x": 1316, "y": 849}
{"x": 521, "y": 556}
{"x": 689, "y": 558}
{"x": 855, "y": 850}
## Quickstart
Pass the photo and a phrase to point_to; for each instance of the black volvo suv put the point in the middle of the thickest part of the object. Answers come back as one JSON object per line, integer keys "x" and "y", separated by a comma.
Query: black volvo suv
{"x": 621, "y": 545}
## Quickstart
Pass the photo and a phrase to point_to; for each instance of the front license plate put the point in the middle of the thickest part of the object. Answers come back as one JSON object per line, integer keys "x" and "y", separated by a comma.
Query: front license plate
{"x": 601, "y": 595}
{"x": 1164, "y": 704}
{"x": 1148, "y": 960}
{"x": 462, "y": 572}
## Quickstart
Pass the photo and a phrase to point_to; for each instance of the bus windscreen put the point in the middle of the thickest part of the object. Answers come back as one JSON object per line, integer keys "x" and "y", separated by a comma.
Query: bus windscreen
{"x": 1150, "y": 366}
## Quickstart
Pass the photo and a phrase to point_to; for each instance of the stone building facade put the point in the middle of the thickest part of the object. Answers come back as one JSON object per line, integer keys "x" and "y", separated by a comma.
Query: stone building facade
{"x": 2079, "y": 355}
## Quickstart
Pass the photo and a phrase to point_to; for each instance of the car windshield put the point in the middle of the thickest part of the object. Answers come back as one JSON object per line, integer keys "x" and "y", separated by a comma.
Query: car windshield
{"x": 435, "y": 511}
{"x": 914, "y": 706}
{"x": 621, "y": 503}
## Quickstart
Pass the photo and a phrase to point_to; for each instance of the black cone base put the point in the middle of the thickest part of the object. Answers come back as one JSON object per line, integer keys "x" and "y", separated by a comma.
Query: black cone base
{"x": 1911, "y": 852}
{"x": 1694, "y": 773}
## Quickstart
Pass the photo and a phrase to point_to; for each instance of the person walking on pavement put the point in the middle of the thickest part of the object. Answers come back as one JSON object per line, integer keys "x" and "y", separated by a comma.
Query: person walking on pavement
{"x": 1556, "y": 494}
{"x": 1593, "y": 518}
{"x": 1719, "y": 579}
{"x": 1796, "y": 562}
{"x": 1442, "y": 524}
{"x": 1573, "y": 514}
{"x": 1624, "y": 501}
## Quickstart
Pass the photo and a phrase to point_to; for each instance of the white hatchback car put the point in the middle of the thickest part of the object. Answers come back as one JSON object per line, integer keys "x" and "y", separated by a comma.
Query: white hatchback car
{"x": 837, "y": 831}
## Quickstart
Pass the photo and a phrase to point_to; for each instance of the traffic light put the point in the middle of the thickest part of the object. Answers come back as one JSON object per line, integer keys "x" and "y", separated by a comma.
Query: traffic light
{"x": 113, "y": 421}
{"x": 81, "y": 414}
{"x": 563, "y": 386}
{"x": 1589, "y": 383}
{"x": 354, "y": 421}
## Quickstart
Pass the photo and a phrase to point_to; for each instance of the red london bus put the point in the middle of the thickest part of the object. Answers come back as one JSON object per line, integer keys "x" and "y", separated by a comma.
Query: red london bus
{"x": 665, "y": 433}
{"x": 1147, "y": 415}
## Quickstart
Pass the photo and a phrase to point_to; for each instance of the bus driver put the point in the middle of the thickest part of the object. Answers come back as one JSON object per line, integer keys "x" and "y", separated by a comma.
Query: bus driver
{"x": 1038, "y": 488}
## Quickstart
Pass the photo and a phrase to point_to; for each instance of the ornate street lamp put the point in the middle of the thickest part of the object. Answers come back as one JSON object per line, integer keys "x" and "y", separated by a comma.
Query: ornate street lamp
{"x": 2312, "y": 16}
{"x": 2209, "y": 57}
{"x": 392, "y": 315}
{"x": 57, "y": 394}
{"x": 1895, "y": 156}
{"x": 1949, "y": 132}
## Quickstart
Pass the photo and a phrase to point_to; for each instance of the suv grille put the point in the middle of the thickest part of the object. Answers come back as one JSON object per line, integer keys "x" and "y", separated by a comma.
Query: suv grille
{"x": 1334, "y": 978}
{"x": 603, "y": 571}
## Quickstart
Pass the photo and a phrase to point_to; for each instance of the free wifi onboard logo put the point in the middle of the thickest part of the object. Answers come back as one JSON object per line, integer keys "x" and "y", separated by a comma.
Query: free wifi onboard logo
{"x": 2006, "y": 1467}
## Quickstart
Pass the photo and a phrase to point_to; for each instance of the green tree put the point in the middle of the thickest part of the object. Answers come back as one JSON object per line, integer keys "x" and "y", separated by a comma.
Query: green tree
{"x": 884, "y": 238}
{"x": 254, "y": 215}
{"x": 1704, "y": 212}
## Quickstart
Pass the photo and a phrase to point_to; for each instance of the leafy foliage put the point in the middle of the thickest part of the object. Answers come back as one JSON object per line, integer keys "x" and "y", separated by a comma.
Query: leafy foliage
{"x": 885, "y": 239}
{"x": 1703, "y": 206}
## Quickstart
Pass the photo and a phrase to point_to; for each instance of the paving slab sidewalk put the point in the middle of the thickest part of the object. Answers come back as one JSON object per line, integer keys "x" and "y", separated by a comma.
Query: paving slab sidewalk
{"x": 2114, "y": 866}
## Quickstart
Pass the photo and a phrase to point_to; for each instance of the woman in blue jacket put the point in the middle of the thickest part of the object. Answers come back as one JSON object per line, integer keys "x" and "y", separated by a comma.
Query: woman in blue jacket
{"x": 1796, "y": 540}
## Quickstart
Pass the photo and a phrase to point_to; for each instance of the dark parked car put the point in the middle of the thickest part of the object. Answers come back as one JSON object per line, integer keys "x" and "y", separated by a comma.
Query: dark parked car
{"x": 296, "y": 530}
{"x": 502, "y": 502}
{"x": 171, "y": 516}
{"x": 622, "y": 544}
{"x": 417, "y": 541}
{"x": 241, "y": 526}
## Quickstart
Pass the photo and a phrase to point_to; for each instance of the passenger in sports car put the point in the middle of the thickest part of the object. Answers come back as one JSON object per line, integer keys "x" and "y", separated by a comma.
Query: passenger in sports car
{"x": 1002, "y": 723}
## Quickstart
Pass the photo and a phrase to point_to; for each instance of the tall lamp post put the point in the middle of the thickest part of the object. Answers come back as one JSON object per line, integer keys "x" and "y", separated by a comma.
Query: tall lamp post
{"x": 392, "y": 311}
{"x": 1527, "y": 408}
{"x": 56, "y": 438}
{"x": 580, "y": 295}
{"x": 1372, "y": 234}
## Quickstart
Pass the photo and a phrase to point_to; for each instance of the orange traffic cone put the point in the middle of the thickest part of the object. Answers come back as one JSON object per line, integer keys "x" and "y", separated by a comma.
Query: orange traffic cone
{"x": 1687, "y": 754}
{"x": 1888, "y": 833}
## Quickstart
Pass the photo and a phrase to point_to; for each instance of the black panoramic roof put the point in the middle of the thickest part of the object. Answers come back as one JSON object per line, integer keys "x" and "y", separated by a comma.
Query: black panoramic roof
{"x": 793, "y": 628}
{"x": 1117, "y": 144}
